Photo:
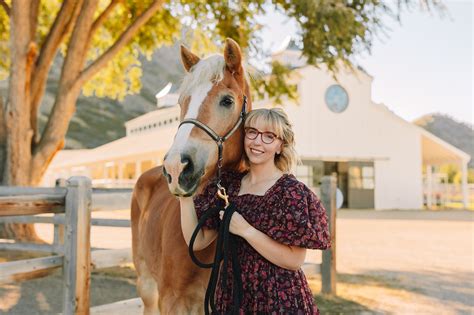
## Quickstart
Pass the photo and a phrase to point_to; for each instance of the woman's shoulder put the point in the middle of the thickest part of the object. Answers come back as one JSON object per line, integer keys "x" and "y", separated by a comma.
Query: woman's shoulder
{"x": 291, "y": 185}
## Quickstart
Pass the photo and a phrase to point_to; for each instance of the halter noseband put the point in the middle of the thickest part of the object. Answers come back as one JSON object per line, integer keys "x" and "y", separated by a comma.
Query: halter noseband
{"x": 218, "y": 139}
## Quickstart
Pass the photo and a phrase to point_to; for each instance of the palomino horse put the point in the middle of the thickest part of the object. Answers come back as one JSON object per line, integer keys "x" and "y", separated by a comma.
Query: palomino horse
{"x": 212, "y": 93}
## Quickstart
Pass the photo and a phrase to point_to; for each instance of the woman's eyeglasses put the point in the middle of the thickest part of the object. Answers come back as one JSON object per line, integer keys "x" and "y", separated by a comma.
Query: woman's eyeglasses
{"x": 267, "y": 136}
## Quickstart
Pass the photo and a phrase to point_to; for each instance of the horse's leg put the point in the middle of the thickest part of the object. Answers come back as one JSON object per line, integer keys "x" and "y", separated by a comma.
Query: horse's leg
{"x": 147, "y": 290}
{"x": 146, "y": 284}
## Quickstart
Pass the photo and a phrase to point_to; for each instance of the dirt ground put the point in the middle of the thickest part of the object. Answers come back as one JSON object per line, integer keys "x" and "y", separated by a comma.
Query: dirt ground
{"x": 388, "y": 262}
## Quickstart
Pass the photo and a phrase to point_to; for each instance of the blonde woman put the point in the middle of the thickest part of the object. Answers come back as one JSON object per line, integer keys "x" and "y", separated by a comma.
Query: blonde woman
{"x": 279, "y": 218}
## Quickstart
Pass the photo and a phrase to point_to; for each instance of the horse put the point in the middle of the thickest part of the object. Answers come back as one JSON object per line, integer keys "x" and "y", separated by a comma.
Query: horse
{"x": 213, "y": 92}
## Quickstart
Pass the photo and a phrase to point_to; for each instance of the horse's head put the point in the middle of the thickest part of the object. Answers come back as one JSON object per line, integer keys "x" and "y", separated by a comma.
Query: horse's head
{"x": 212, "y": 94}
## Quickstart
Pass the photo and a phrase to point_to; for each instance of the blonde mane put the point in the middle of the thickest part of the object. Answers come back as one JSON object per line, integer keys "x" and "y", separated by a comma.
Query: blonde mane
{"x": 206, "y": 70}
{"x": 210, "y": 69}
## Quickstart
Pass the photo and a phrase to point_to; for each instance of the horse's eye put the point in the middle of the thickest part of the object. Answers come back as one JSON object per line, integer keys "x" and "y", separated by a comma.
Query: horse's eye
{"x": 226, "y": 101}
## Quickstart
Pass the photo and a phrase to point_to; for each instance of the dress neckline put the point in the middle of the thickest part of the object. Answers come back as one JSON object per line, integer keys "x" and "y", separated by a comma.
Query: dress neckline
{"x": 239, "y": 185}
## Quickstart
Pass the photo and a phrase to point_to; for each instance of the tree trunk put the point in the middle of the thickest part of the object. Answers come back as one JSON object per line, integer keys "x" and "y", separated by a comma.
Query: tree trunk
{"x": 17, "y": 133}
{"x": 24, "y": 156}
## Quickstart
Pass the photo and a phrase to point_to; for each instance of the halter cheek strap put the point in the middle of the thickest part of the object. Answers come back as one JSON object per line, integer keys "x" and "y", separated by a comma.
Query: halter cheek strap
{"x": 218, "y": 139}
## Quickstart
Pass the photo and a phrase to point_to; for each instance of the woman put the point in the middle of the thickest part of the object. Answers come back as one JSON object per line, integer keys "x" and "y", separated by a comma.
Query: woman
{"x": 279, "y": 218}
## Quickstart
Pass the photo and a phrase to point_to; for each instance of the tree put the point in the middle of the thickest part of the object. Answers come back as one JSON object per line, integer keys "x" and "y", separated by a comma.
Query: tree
{"x": 99, "y": 42}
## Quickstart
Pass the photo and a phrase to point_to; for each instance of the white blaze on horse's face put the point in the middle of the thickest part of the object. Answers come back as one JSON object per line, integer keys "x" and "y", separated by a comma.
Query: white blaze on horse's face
{"x": 182, "y": 136}
{"x": 187, "y": 157}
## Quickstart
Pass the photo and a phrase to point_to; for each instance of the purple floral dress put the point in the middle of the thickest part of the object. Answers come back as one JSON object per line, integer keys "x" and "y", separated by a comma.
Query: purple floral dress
{"x": 289, "y": 213}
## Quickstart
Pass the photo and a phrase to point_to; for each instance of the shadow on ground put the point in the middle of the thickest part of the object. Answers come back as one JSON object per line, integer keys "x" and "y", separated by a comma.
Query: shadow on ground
{"x": 376, "y": 292}
{"x": 44, "y": 295}
{"x": 448, "y": 287}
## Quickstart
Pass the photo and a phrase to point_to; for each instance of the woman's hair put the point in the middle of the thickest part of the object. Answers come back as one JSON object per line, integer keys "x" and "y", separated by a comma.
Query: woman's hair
{"x": 276, "y": 120}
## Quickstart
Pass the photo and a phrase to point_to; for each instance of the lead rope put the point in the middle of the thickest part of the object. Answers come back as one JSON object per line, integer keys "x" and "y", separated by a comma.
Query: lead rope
{"x": 226, "y": 242}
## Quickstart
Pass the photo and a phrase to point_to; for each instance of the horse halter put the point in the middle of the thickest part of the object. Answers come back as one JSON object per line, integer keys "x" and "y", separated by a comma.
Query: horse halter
{"x": 219, "y": 140}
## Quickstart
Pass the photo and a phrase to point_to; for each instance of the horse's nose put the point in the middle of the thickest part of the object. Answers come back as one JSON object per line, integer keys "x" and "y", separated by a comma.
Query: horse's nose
{"x": 172, "y": 168}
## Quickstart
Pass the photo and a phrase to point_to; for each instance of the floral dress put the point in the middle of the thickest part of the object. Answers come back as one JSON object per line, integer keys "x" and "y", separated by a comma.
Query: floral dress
{"x": 290, "y": 213}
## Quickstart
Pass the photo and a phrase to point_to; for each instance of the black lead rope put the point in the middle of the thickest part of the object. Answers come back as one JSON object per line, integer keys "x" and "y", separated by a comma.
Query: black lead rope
{"x": 226, "y": 244}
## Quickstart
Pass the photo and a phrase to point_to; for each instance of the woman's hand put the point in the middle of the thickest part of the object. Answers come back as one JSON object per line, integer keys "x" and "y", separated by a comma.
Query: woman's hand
{"x": 238, "y": 225}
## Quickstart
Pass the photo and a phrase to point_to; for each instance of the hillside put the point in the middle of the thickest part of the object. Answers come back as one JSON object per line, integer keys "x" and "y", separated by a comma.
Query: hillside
{"x": 459, "y": 134}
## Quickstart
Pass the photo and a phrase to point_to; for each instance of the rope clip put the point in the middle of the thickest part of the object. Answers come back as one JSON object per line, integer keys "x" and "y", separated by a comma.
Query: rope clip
{"x": 223, "y": 195}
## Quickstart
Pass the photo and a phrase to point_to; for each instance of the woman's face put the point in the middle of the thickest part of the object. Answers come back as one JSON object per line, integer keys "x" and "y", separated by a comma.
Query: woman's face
{"x": 258, "y": 150}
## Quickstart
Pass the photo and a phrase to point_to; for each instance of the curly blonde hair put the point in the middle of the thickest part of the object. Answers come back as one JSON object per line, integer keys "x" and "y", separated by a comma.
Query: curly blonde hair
{"x": 276, "y": 120}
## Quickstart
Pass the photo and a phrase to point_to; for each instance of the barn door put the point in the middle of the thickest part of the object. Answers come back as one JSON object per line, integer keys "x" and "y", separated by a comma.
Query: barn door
{"x": 361, "y": 185}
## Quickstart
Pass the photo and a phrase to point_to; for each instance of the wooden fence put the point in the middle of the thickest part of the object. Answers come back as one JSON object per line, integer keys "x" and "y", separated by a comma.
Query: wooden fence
{"x": 71, "y": 202}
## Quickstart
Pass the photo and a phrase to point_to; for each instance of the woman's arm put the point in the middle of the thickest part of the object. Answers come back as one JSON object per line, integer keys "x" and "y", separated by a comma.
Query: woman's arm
{"x": 189, "y": 222}
{"x": 285, "y": 256}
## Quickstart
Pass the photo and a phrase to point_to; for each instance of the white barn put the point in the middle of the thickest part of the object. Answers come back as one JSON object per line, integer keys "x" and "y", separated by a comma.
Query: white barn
{"x": 381, "y": 160}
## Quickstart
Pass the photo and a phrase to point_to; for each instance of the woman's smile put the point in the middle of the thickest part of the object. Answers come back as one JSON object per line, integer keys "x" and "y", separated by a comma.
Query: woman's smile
{"x": 256, "y": 151}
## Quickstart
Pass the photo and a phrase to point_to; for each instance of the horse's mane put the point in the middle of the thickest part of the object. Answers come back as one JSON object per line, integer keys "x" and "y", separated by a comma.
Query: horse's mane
{"x": 208, "y": 69}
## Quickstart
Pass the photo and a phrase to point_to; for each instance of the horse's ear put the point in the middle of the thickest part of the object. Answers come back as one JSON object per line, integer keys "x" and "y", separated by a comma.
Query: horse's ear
{"x": 233, "y": 56}
{"x": 188, "y": 58}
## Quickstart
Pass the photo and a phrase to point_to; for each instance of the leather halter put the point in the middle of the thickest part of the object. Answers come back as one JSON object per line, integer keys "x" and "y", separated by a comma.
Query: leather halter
{"x": 218, "y": 139}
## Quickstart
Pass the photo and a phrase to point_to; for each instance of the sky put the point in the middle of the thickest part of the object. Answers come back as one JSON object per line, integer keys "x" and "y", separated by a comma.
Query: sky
{"x": 424, "y": 65}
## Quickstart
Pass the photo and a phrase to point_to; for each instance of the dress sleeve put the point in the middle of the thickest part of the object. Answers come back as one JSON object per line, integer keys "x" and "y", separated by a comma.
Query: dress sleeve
{"x": 300, "y": 219}
{"x": 207, "y": 200}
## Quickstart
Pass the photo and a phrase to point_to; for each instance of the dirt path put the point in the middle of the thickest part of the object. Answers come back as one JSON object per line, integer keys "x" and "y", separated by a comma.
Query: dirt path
{"x": 388, "y": 262}
{"x": 425, "y": 258}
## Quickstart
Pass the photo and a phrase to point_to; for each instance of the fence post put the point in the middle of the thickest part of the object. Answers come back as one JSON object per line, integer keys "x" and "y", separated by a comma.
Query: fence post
{"x": 328, "y": 267}
{"x": 77, "y": 257}
{"x": 58, "y": 240}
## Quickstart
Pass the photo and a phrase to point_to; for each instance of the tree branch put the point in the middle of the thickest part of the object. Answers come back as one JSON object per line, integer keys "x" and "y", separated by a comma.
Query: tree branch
{"x": 5, "y": 7}
{"x": 52, "y": 42}
{"x": 53, "y": 136}
{"x": 123, "y": 39}
{"x": 63, "y": 22}
{"x": 103, "y": 16}
{"x": 34, "y": 10}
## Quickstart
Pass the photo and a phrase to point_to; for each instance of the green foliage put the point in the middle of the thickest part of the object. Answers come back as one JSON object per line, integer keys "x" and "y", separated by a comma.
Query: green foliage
{"x": 454, "y": 174}
{"x": 329, "y": 31}
{"x": 122, "y": 74}
{"x": 4, "y": 49}
{"x": 277, "y": 86}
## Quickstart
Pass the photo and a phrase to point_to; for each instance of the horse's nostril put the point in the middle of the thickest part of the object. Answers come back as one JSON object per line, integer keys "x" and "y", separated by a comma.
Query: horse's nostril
{"x": 168, "y": 176}
{"x": 188, "y": 164}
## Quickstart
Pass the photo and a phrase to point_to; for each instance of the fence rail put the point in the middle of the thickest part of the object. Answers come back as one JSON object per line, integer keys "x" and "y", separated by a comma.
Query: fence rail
{"x": 74, "y": 201}
{"x": 60, "y": 219}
